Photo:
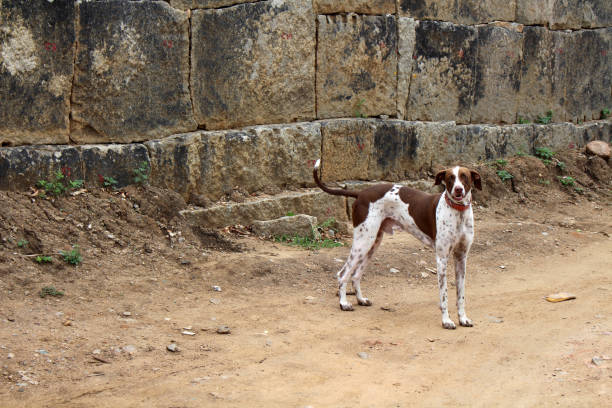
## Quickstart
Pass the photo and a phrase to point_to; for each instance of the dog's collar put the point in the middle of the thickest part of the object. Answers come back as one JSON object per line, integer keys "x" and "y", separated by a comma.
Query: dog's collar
{"x": 457, "y": 206}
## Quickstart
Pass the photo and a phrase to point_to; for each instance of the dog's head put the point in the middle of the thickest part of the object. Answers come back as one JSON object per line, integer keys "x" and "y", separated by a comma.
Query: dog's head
{"x": 458, "y": 181}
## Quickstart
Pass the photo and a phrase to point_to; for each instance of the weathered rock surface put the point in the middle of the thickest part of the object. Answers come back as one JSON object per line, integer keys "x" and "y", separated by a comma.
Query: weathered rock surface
{"x": 581, "y": 13}
{"x": 598, "y": 148}
{"x": 498, "y": 70}
{"x": 459, "y": 11}
{"x": 132, "y": 72}
{"x": 205, "y": 4}
{"x": 442, "y": 83}
{"x": 356, "y": 66}
{"x": 543, "y": 78}
{"x": 407, "y": 39}
{"x": 36, "y": 69}
{"x": 112, "y": 160}
{"x": 588, "y": 64}
{"x": 259, "y": 158}
{"x": 253, "y": 64}
{"x": 534, "y": 12}
{"x": 354, "y": 6}
{"x": 316, "y": 203}
{"x": 300, "y": 225}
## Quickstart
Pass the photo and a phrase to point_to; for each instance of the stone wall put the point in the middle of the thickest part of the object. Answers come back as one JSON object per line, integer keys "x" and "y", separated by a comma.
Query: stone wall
{"x": 225, "y": 94}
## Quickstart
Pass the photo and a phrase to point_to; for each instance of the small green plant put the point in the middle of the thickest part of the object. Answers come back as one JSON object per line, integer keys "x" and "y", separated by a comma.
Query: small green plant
{"x": 579, "y": 190}
{"x": 520, "y": 153}
{"x": 50, "y": 291}
{"x": 561, "y": 165}
{"x": 544, "y": 182}
{"x": 523, "y": 121}
{"x": 544, "y": 154}
{"x": 59, "y": 183}
{"x": 42, "y": 259}
{"x": 290, "y": 214}
{"x": 109, "y": 182}
{"x": 501, "y": 163}
{"x": 307, "y": 242}
{"x": 504, "y": 175}
{"x": 141, "y": 173}
{"x": 605, "y": 112}
{"x": 22, "y": 242}
{"x": 567, "y": 181}
{"x": 327, "y": 223}
{"x": 357, "y": 110}
{"x": 73, "y": 256}
{"x": 544, "y": 120}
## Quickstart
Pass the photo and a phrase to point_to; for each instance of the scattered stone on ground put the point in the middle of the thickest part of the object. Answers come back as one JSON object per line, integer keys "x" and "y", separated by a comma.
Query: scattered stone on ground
{"x": 296, "y": 225}
{"x": 363, "y": 355}
{"x": 560, "y": 297}
{"x": 224, "y": 330}
{"x": 598, "y": 148}
{"x": 173, "y": 347}
{"x": 394, "y": 270}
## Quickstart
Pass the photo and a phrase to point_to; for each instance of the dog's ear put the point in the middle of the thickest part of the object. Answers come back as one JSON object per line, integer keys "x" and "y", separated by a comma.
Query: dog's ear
{"x": 439, "y": 177}
{"x": 476, "y": 179}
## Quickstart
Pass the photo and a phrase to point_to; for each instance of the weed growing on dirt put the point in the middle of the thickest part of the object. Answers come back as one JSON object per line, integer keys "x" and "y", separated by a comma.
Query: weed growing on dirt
{"x": 307, "y": 242}
{"x": 141, "y": 173}
{"x": 544, "y": 182}
{"x": 544, "y": 120}
{"x": 605, "y": 113}
{"x": 50, "y": 291}
{"x": 22, "y": 242}
{"x": 544, "y": 154}
{"x": 59, "y": 183}
{"x": 504, "y": 175}
{"x": 290, "y": 214}
{"x": 567, "y": 181}
{"x": 499, "y": 163}
{"x": 108, "y": 181}
{"x": 523, "y": 121}
{"x": 520, "y": 153}
{"x": 561, "y": 165}
{"x": 73, "y": 256}
{"x": 42, "y": 259}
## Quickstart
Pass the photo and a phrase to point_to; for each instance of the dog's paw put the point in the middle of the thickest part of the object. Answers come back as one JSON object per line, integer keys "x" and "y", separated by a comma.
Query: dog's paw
{"x": 465, "y": 322}
{"x": 364, "y": 302}
{"x": 449, "y": 325}
{"x": 347, "y": 307}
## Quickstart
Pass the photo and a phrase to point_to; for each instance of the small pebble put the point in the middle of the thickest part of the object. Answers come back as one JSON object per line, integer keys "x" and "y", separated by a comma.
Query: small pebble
{"x": 188, "y": 333}
{"x": 172, "y": 347}
{"x": 127, "y": 314}
{"x": 394, "y": 270}
{"x": 424, "y": 275}
{"x": 363, "y": 355}
{"x": 224, "y": 330}
{"x": 216, "y": 288}
{"x": 10, "y": 355}
{"x": 215, "y": 301}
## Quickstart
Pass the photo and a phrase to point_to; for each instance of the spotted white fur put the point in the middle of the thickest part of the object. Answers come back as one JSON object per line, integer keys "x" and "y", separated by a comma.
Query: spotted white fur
{"x": 454, "y": 235}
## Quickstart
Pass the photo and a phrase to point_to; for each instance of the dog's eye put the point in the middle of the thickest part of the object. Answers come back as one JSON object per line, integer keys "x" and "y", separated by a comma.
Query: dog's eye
{"x": 463, "y": 178}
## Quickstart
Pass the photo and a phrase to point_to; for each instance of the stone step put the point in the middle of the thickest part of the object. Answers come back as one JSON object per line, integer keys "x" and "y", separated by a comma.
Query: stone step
{"x": 309, "y": 201}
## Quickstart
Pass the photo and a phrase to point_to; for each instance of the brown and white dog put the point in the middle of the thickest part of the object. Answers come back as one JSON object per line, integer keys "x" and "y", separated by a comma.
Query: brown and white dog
{"x": 447, "y": 225}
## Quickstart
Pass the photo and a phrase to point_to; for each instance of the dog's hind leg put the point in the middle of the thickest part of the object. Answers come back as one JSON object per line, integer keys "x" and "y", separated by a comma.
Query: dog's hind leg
{"x": 356, "y": 278}
{"x": 364, "y": 237}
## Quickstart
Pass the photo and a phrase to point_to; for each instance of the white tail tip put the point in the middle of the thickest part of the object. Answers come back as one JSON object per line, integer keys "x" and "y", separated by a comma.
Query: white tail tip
{"x": 317, "y": 164}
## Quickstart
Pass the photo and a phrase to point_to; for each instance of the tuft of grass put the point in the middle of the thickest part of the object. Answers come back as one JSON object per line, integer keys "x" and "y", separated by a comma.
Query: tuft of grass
{"x": 544, "y": 182}
{"x": 50, "y": 291}
{"x": 73, "y": 256}
{"x": 307, "y": 242}
{"x": 59, "y": 183}
{"x": 42, "y": 259}
{"x": 561, "y": 165}
{"x": 290, "y": 214}
{"x": 605, "y": 113}
{"x": 544, "y": 154}
{"x": 141, "y": 173}
{"x": 504, "y": 175}
{"x": 567, "y": 181}
{"x": 357, "y": 110}
{"x": 523, "y": 121}
{"x": 108, "y": 181}
{"x": 544, "y": 120}
{"x": 22, "y": 242}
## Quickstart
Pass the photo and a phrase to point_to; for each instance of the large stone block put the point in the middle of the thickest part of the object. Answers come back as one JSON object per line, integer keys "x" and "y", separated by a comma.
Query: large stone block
{"x": 534, "y": 12}
{"x": 588, "y": 64}
{"x": 459, "y": 11}
{"x": 543, "y": 78}
{"x": 498, "y": 71}
{"x": 253, "y": 64}
{"x": 442, "y": 83}
{"x": 407, "y": 39}
{"x": 575, "y": 14}
{"x": 113, "y": 160}
{"x": 36, "y": 70}
{"x": 24, "y": 166}
{"x": 132, "y": 72}
{"x": 356, "y": 66}
{"x": 259, "y": 158}
{"x": 205, "y": 4}
{"x": 315, "y": 203}
{"x": 354, "y": 6}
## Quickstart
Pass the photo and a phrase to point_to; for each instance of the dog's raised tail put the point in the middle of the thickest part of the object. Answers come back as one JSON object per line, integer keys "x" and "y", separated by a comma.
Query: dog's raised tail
{"x": 342, "y": 192}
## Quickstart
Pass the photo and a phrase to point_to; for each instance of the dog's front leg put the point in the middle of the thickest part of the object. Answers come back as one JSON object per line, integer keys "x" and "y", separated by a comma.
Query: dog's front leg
{"x": 460, "y": 262}
{"x": 442, "y": 261}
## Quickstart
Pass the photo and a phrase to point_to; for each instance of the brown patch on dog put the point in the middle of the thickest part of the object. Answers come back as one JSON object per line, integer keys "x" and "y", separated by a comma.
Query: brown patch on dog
{"x": 422, "y": 208}
{"x": 365, "y": 197}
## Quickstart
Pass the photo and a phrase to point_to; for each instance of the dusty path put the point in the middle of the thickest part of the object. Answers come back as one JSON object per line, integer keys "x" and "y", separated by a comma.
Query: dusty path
{"x": 291, "y": 350}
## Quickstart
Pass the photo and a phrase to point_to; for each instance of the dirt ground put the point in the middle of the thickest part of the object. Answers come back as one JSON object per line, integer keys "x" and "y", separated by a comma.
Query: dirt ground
{"x": 146, "y": 277}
